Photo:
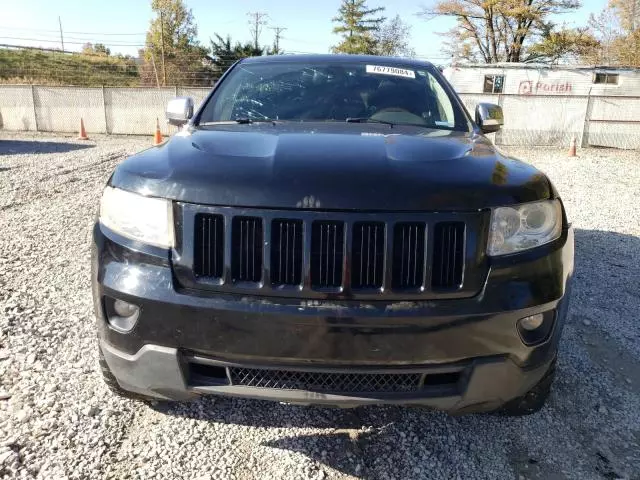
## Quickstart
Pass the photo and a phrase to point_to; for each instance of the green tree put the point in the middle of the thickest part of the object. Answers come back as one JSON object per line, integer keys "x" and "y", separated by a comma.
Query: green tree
{"x": 224, "y": 52}
{"x": 275, "y": 49}
{"x": 498, "y": 30}
{"x": 97, "y": 49}
{"x": 172, "y": 53}
{"x": 565, "y": 44}
{"x": 357, "y": 24}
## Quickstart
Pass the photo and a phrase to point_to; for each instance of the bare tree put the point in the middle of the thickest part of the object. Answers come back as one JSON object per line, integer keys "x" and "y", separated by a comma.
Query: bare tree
{"x": 628, "y": 13}
{"x": 606, "y": 28}
{"x": 618, "y": 34}
{"x": 392, "y": 39}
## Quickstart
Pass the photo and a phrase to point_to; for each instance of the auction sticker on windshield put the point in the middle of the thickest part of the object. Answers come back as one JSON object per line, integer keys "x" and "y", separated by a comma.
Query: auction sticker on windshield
{"x": 396, "y": 72}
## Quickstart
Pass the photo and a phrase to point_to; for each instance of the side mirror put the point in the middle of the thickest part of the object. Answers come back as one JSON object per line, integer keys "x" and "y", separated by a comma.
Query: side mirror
{"x": 489, "y": 117}
{"x": 179, "y": 110}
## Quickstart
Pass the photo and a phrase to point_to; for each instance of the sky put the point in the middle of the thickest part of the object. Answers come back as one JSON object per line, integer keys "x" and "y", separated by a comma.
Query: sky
{"x": 121, "y": 24}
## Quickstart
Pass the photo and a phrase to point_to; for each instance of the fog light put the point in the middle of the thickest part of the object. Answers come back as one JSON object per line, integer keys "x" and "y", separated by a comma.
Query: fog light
{"x": 124, "y": 309}
{"x": 531, "y": 323}
{"x": 121, "y": 315}
{"x": 535, "y": 329}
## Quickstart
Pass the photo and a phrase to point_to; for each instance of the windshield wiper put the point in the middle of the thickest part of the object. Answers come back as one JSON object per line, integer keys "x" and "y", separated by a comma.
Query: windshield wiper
{"x": 240, "y": 121}
{"x": 368, "y": 120}
{"x": 246, "y": 120}
{"x": 393, "y": 124}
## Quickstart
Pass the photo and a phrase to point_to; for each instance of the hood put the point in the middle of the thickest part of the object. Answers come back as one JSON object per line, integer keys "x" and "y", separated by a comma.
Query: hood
{"x": 333, "y": 166}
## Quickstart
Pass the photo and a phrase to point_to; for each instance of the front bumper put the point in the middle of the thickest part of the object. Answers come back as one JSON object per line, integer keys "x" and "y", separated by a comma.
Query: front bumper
{"x": 475, "y": 337}
{"x": 160, "y": 372}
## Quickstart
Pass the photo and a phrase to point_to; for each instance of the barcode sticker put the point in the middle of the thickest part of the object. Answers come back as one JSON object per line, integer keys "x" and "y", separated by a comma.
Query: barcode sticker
{"x": 396, "y": 72}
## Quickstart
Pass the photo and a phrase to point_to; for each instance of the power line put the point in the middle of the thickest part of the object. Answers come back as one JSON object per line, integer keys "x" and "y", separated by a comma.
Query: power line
{"x": 72, "y": 43}
{"x": 56, "y": 37}
{"x": 77, "y": 33}
{"x": 276, "y": 42}
{"x": 231, "y": 58}
{"x": 256, "y": 21}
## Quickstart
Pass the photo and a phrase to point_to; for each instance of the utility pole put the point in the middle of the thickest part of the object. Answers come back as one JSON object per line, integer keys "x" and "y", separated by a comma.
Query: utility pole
{"x": 256, "y": 21}
{"x": 164, "y": 71}
{"x": 276, "y": 42}
{"x": 61, "y": 37}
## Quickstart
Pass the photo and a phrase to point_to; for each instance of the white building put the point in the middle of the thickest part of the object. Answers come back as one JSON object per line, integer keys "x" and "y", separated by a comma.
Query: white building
{"x": 546, "y": 105}
{"x": 536, "y": 79}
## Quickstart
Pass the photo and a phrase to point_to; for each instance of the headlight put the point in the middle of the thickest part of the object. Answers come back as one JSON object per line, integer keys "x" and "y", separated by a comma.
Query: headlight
{"x": 148, "y": 220}
{"x": 521, "y": 227}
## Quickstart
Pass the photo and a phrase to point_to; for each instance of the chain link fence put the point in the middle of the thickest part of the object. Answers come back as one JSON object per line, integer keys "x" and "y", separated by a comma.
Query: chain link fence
{"x": 529, "y": 119}
{"x": 606, "y": 121}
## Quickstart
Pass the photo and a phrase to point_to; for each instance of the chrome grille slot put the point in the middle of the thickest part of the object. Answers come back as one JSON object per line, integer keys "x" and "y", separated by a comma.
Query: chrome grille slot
{"x": 208, "y": 254}
{"x": 367, "y": 263}
{"x": 327, "y": 254}
{"x": 286, "y": 252}
{"x": 448, "y": 255}
{"x": 246, "y": 258}
{"x": 408, "y": 255}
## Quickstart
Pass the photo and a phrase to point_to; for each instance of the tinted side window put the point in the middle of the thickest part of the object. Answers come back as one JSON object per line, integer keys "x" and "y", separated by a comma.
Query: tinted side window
{"x": 606, "y": 78}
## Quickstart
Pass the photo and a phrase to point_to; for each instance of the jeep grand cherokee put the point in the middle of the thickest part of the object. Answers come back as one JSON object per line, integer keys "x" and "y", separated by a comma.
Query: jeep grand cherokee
{"x": 333, "y": 230}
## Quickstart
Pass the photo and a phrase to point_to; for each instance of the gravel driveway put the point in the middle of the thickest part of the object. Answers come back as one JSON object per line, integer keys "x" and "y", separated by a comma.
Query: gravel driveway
{"x": 58, "y": 420}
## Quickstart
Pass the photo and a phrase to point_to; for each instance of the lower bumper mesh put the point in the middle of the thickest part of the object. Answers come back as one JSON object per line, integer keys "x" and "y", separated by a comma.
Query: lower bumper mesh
{"x": 326, "y": 382}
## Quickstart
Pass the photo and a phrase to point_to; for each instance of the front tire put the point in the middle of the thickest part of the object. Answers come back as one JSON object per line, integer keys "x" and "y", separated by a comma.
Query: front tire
{"x": 532, "y": 401}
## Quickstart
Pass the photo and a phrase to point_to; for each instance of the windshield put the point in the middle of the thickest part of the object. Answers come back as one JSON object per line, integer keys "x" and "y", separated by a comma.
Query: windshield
{"x": 340, "y": 91}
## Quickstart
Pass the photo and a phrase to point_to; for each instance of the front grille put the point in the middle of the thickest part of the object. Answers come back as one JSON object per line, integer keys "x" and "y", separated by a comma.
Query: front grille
{"x": 326, "y": 381}
{"x": 367, "y": 263}
{"x": 336, "y": 255}
{"x": 448, "y": 255}
{"x": 286, "y": 252}
{"x": 327, "y": 253}
{"x": 408, "y": 255}
{"x": 246, "y": 249}
{"x": 208, "y": 254}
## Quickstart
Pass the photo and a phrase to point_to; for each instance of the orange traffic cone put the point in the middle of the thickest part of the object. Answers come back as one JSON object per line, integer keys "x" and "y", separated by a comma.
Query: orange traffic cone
{"x": 83, "y": 133}
{"x": 157, "y": 137}
{"x": 572, "y": 147}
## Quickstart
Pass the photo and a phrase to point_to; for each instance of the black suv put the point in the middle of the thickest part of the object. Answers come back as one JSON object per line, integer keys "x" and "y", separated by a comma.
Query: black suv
{"x": 333, "y": 230}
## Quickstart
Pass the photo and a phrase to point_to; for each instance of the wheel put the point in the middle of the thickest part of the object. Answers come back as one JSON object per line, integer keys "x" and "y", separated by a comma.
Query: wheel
{"x": 113, "y": 384}
{"x": 532, "y": 401}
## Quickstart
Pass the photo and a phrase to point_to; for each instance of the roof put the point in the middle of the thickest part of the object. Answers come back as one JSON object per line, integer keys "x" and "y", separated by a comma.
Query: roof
{"x": 339, "y": 58}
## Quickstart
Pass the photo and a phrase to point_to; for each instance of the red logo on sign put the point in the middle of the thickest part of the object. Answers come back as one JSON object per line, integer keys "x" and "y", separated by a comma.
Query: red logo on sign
{"x": 527, "y": 87}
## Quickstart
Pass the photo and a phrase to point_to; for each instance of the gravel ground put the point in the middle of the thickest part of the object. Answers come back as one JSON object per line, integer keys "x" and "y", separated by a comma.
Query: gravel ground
{"x": 58, "y": 420}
